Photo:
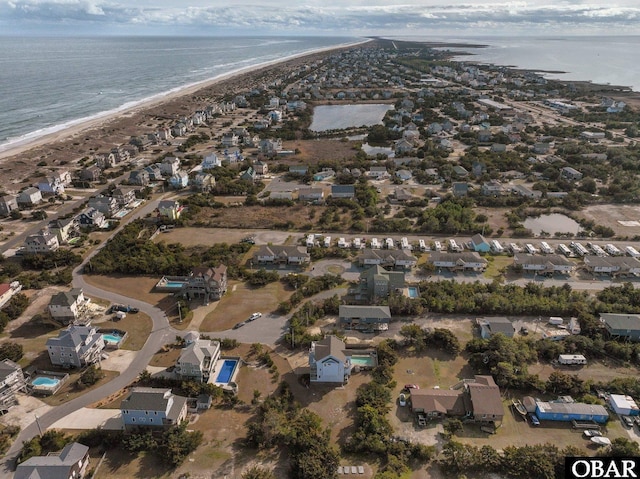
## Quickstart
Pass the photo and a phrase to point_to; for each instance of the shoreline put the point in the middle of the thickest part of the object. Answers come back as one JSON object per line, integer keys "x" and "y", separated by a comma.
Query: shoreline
{"x": 100, "y": 120}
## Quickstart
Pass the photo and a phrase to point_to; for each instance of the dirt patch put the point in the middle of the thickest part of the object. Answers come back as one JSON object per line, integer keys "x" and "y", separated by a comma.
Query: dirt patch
{"x": 298, "y": 216}
{"x": 610, "y": 215}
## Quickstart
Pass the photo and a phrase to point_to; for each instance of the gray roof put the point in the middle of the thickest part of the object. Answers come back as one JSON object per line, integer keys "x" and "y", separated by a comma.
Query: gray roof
{"x": 478, "y": 239}
{"x": 8, "y": 367}
{"x": 466, "y": 257}
{"x": 499, "y": 325}
{"x": 554, "y": 259}
{"x": 330, "y": 346}
{"x": 66, "y": 298}
{"x": 572, "y": 408}
{"x": 628, "y": 322}
{"x": 343, "y": 189}
{"x": 195, "y": 352}
{"x": 381, "y": 312}
{"x": 276, "y": 250}
{"x": 153, "y": 399}
{"x": 74, "y": 336}
{"x": 54, "y": 466}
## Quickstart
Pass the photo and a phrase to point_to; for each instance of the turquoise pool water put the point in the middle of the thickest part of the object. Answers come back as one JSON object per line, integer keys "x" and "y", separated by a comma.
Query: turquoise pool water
{"x": 413, "y": 292}
{"x": 174, "y": 284}
{"x": 112, "y": 338}
{"x": 226, "y": 372}
{"x": 45, "y": 381}
{"x": 367, "y": 360}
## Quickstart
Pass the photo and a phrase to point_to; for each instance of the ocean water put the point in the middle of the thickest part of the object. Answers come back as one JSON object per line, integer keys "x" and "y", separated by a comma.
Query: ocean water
{"x": 47, "y": 84}
{"x": 611, "y": 60}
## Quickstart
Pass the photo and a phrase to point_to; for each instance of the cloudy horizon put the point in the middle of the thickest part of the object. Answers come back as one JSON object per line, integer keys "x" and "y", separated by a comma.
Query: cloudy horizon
{"x": 316, "y": 17}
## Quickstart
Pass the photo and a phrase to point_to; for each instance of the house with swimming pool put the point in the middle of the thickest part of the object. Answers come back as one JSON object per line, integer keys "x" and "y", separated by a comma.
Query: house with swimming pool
{"x": 197, "y": 360}
{"x": 377, "y": 282}
{"x": 152, "y": 407}
{"x": 206, "y": 283}
{"x": 75, "y": 347}
{"x": 328, "y": 362}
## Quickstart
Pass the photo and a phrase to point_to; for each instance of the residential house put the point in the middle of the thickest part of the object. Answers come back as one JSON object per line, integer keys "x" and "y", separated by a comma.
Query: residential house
{"x": 478, "y": 399}
{"x": 480, "y": 244}
{"x": 376, "y": 283}
{"x": 107, "y": 205}
{"x": 67, "y": 306}
{"x": 458, "y": 261}
{"x": 460, "y": 171}
{"x": 170, "y": 166}
{"x": 75, "y": 347}
{"x": 29, "y": 197}
{"x": 404, "y": 175}
{"x": 197, "y": 360}
{"x": 623, "y": 405}
{"x": 7, "y": 205}
{"x": 541, "y": 148}
{"x": 179, "y": 129}
{"x": 63, "y": 228}
{"x": 261, "y": 167}
{"x": 248, "y": 175}
{"x": 298, "y": 169}
{"x": 343, "y": 191}
{"x": 170, "y": 209}
{"x": 11, "y": 381}
{"x": 459, "y": 188}
{"x": 498, "y": 148}
{"x": 497, "y": 325}
{"x": 206, "y": 283}
{"x": 154, "y": 172}
{"x": 91, "y": 173}
{"x": 328, "y": 362}
{"x": 324, "y": 175}
{"x": 624, "y": 326}
{"x": 203, "y": 182}
{"x": 315, "y": 195}
{"x": 614, "y": 265}
{"x": 42, "y": 242}
{"x": 7, "y": 290}
{"x": 391, "y": 258}
{"x": 492, "y": 188}
{"x": 51, "y": 186}
{"x": 124, "y": 196}
{"x": 282, "y": 254}
{"x": 522, "y": 190}
{"x": 547, "y": 264}
{"x": 230, "y": 139}
{"x": 152, "y": 407}
{"x": 369, "y": 318}
{"x": 91, "y": 218}
{"x": 139, "y": 177}
{"x": 105, "y": 160}
{"x": 179, "y": 180}
{"x": 566, "y": 410}
{"x": 570, "y": 174}
{"x": 403, "y": 146}
{"x": 210, "y": 161}
{"x": 378, "y": 172}
{"x": 120, "y": 154}
{"x": 70, "y": 463}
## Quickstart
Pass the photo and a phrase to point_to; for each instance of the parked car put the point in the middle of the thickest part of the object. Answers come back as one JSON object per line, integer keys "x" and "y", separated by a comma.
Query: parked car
{"x": 239, "y": 325}
{"x": 534, "y": 420}
{"x": 627, "y": 421}
{"x": 254, "y": 316}
{"x": 592, "y": 433}
{"x": 411, "y": 386}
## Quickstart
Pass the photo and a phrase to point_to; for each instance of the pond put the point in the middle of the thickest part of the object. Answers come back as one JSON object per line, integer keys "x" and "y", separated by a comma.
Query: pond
{"x": 375, "y": 150}
{"x": 552, "y": 224}
{"x": 337, "y": 117}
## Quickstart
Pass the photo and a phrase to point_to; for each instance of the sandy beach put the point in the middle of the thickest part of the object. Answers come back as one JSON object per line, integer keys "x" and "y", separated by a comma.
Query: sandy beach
{"x": 102, "y": 133}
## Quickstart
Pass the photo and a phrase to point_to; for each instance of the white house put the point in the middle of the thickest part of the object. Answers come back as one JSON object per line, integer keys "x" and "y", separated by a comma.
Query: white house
{"x": 327, "y": 361}
{"x": 170, "y": 209}
{"x": 42, "y": 242}
{"x": 463, "y": 261}
{"x": 552, "y": 263}
{"x": 571, "y": 359}
{"x": 29, "y": 197}
{"x": 11, "y": 381}
{"x": 197, "y": 360}
{"x": 76, "y": 346}
{"x": 170, "y": 166}
{"x": 66, "y": 307}
{"x": 153, "y": 407}
{"x": 210, "y": 161}
{"x": 7, "y": 290}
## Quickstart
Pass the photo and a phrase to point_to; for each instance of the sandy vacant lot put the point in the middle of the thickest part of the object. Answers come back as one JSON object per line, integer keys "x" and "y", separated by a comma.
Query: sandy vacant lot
{"x": 609, "y": 215}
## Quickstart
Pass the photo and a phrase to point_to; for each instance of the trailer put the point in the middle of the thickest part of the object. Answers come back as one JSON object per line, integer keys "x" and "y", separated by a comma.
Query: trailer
{"x": 422, "y": 245}
{"x": 531, "y": 249}
{"x": 571, "y": 359}
{"x": 515, "y": 248}
{"x": 612, "y": 250}
{"x": 375, "y": 244}
{"x": 389, "y": 243}
{"x": 311, "y": 241}
{"x": 546, "y": 249}
{"x": 497, "y": 247}
{"x": 579, "y": 248}
{"x": 437, "y": 246}
{"x": 564, "y": 249}
{"x": 631, "y": 251}
{"x": 357, "y": 243}
{"x": 454, "y": 246}
{"x": 404, "y": 243}
{"x": 343, "y": 243}
{"x": 556, "y": 320}
{"x": 598, "y": 251}
{"x": 327, "y": 241}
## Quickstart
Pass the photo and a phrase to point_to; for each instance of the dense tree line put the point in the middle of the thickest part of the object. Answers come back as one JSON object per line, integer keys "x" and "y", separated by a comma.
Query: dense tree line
{"x": 13, "y": 309}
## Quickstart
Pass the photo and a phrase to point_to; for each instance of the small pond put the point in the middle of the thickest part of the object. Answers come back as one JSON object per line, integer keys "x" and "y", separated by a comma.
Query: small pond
{"x": 552, "y": 224}
{"x": 375, "y": 150}
{"x": 337, "y": 117}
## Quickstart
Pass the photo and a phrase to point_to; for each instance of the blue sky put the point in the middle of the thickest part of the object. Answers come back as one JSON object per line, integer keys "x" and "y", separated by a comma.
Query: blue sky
{"x": 320, "y": 17}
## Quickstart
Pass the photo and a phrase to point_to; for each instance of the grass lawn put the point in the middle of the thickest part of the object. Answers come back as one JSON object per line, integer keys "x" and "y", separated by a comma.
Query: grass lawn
{"x": 241, "y": 301}
{"x": 138, "y": 287}
{"x": 138, "y": 327}
{"x": 497, "y": 266}
{"x": 120, "y": 464}
{"x": 166, "y": 357}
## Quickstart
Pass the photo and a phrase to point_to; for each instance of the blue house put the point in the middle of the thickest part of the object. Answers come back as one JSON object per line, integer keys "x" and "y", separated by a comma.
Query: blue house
{"x": 153, "y": 407}
{"x": 566, "y": 410}
{"x": 179, "y": 180}
{"x": 480, "y": 244}
{"x": 625, "y": 326}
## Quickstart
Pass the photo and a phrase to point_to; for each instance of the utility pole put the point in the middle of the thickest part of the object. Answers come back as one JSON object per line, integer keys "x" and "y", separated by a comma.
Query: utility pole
{"x": 38, "y": 424}
{"x": 293, "y": 343}
{"x": 179, "y": 312}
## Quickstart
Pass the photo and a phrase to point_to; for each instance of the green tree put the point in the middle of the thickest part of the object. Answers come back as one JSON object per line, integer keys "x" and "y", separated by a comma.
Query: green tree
{"x": 12, "y": 351}
{"x": 257, "y": 472}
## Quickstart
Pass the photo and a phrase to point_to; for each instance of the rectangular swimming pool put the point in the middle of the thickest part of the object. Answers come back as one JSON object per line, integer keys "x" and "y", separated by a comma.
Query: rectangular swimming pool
{"x": 364, "y": 361}
{"x": 226, "y": 372}
{"x": 413, "y": 292}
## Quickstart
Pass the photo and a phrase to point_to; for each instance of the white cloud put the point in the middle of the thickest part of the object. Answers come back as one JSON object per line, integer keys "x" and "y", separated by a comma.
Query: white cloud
{"x": 331, "y": 16}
